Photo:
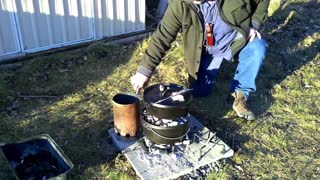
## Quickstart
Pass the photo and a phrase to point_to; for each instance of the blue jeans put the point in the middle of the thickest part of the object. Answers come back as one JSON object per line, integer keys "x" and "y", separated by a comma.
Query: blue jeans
{"x": 251, "y": 58}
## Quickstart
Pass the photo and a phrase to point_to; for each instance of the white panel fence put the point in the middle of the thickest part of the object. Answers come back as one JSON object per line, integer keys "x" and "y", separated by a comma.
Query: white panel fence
{"x": 34, "y": 25}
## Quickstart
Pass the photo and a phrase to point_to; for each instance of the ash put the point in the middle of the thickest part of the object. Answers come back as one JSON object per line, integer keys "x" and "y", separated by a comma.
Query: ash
{"x": 197, "y": 155}
{"x": 202, "y": 172}
{"x": 154, "y": 152}
{"x": 177, "y": 148}
{"x": 177, "y": 97}
{"x": 153, "y": 156}
{"x": 163, "y": 122}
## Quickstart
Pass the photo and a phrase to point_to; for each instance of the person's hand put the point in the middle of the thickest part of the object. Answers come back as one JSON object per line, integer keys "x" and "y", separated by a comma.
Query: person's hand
{"x": 252, "y": 34}
{"x": 138, "y": 81}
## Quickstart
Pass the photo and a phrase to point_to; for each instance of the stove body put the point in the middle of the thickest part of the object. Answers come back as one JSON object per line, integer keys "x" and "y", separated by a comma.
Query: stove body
{"x": 165, "y": 119}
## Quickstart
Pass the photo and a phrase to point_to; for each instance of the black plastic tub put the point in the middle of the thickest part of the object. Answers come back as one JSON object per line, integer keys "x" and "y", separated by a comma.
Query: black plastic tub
{"x": 37, "y": 158}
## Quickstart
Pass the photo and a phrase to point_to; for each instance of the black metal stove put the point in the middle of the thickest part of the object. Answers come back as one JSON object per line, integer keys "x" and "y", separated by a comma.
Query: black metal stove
{"x": 164, "y": 131}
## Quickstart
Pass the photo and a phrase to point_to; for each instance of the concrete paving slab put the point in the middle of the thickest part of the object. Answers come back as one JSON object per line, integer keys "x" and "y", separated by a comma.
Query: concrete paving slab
{"x": 121, "y": 143}
{"x": 205, "y": 149}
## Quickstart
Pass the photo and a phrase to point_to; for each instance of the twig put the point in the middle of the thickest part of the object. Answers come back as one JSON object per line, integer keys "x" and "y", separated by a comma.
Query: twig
{"x": 87, "y": 98}
{"x": 33, "y": 96}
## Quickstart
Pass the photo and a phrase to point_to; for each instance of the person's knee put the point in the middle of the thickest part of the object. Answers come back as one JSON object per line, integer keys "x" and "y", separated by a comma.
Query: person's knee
{"x": 260, "y": 46}
{"x": 259, "y": 50}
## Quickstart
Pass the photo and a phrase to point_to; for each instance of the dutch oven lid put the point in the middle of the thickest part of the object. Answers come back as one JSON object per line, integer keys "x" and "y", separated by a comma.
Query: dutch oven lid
{"x": 159, "y": 95}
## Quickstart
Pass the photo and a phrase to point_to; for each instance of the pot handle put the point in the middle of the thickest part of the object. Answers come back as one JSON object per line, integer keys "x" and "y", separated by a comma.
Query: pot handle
{"x": 147, "y": 104}
{"x": 165, "y": 92}
{"x": 148, "y": 127}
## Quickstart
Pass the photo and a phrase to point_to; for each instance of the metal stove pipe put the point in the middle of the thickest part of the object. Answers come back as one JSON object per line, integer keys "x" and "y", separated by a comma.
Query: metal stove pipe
{"x": 126, "y": 114}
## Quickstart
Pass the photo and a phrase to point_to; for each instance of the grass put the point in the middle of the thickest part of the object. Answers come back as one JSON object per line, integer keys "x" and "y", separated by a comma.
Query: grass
{"x": 282, "y": 144}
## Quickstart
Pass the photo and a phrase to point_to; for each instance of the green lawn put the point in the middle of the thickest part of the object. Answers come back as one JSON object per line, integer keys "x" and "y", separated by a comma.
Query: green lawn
{"x": 282, "y": 144}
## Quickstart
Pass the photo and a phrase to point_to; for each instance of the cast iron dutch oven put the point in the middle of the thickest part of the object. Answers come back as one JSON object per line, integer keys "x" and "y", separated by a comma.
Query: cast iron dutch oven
{"x": 165, "y": 135}
{"x": 159, "y": 104}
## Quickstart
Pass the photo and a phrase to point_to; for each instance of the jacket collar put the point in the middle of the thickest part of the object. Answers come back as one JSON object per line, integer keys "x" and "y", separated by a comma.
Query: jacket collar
{"x": 193, "y": 1}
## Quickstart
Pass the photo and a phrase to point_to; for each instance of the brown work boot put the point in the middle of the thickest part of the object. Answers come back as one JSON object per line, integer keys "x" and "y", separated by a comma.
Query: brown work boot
{"x": 240, "y": 106}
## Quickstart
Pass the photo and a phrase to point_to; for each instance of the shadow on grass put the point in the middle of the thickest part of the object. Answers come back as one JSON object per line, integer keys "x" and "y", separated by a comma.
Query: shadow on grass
{"x": 285, "y": 33}
{"x": 288, "y": 49}
{"x": 78, "y": 115}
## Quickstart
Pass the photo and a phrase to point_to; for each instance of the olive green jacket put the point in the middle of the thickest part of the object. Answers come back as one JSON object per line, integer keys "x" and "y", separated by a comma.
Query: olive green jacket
{"x": 182, "y": 15}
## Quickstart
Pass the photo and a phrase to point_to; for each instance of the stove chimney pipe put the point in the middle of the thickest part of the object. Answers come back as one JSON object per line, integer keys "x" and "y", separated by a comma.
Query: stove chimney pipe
{"x": 126, "y": 114}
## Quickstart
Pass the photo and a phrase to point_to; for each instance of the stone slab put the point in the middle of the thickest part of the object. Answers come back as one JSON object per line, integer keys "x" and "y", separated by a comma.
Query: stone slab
{"x": 205, "y": 149}
{"x": 121, "y": 143}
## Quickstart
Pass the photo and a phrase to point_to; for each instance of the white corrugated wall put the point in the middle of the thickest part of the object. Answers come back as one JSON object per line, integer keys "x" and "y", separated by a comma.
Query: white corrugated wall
{"x": 34, "y": 25}
{"x": 114, "y": 17}
{"x": 9, "y": 42}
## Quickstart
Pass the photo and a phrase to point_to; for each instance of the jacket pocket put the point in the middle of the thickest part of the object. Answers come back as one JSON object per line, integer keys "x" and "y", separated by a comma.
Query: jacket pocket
{"x": 185, "y": 27}
{"x": 240, "y": 12}
{"x": 186, "y": 24}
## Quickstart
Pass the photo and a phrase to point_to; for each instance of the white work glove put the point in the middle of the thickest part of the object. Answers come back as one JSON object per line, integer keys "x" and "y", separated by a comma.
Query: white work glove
{"x": 138, "y": 81}
{"x": 252, "y": 34}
